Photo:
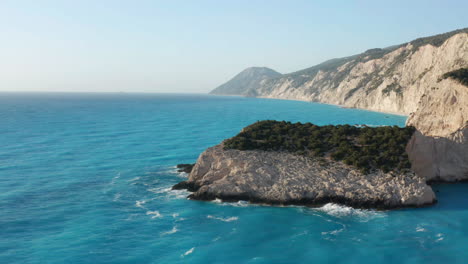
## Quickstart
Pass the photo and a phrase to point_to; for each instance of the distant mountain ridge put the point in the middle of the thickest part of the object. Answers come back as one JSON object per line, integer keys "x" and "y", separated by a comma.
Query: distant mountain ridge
{"x": 246, "y": 81}
{"x": 406, "y": 79}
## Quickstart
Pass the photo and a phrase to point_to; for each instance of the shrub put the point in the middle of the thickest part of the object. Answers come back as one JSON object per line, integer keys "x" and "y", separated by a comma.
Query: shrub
{"x": 366, "y": 148}
{"x": 460, "y": 75}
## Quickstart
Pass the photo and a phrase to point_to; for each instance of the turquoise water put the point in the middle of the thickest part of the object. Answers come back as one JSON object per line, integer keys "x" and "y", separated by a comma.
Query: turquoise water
{"x": 85, "y": 178}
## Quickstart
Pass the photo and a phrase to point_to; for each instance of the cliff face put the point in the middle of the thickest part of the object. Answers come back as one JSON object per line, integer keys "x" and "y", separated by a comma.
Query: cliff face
{"x": 392, "y": 83}
{"x": 284, "y": 178}
{"x": 404, "y": 79}
{"x": 439, "y": 149}
{"x": 388, "y": 80}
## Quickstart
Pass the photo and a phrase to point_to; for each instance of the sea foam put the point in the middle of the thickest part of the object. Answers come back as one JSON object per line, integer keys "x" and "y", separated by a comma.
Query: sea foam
{"x": 342, "y": 211}
{"x": 172, "y": 231}
{"x": 227, "y": 219}
{"x": 154, "y": 214}
{"x": 188, "y": 252}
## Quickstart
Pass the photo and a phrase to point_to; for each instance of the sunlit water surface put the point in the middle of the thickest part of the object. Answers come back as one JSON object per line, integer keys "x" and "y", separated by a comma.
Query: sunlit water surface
{"x": 85, "y": 178}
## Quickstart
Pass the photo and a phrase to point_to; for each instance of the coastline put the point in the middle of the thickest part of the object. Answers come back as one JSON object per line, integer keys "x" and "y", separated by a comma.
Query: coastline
{"x": 309, "y": 101}
{"x": 282, "y": 178}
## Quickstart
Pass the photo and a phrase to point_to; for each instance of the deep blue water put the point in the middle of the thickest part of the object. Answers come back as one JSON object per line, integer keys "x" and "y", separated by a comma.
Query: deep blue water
{"x": 85, "y": 178}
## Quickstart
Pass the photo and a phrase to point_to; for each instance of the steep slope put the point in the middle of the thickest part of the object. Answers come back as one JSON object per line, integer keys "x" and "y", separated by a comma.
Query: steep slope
{"x": 381, "y": 80}
{"x": 388, "y": 80}
{"x": 246, "y": 82}
{"x": 439, "y": 149}
{"x": 405, "y": 79}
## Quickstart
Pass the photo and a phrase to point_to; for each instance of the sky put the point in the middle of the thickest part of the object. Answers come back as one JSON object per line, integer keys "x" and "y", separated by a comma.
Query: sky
{"x": 187, "y": 46}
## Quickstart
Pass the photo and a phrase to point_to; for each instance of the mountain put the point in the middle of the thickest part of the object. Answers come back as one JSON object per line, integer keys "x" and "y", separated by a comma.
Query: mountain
{"x": 422, "y": 79}
{"x": 246, "y": 82}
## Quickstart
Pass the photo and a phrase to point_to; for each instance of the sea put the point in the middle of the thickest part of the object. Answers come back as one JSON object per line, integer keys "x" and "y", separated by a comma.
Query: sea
{"x": 86, "y": 178}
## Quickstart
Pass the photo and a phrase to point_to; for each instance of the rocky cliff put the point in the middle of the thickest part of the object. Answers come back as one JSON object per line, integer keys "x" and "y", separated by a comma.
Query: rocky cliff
{"x": 284, "y": 178}
{"x": 403, "y": 79}
{"x": 439, "y": 149}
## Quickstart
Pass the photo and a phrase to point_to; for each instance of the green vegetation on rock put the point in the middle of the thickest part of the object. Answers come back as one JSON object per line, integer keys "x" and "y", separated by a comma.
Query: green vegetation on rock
{"x": 367, "y": 148}
{"x": 394, "y": 87}
{"x": 437, "y": 40}
{"x": 460, "y": 75}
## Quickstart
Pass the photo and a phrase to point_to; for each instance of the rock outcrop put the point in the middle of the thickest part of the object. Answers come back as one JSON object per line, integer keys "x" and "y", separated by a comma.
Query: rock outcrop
{"x": 286, "y": 179}
{"x": 187, "y": 168}
{"x": 439, "y": 149}
{"x": 403, "y": 79}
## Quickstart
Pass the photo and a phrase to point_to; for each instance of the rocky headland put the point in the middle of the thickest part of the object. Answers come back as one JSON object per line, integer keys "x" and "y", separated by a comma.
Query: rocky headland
{"x": 280, "y": 178}
{"x": 283, "y": 163}
{"x": 425, "y": 79}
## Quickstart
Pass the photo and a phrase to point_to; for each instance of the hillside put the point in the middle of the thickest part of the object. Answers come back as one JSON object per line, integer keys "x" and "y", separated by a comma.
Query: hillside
{"x": 424, "y": 79}
{"x": 365, "y": 148}
{"x": 246, "y": 82}
{"x": 387, "y": 79}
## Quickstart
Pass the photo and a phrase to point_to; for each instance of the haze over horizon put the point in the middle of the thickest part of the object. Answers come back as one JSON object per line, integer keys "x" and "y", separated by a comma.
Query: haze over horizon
{"x": 178, "y": 46}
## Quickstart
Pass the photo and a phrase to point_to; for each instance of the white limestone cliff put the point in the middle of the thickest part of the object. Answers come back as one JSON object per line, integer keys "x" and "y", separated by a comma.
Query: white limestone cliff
{"x": 284, "y": 178}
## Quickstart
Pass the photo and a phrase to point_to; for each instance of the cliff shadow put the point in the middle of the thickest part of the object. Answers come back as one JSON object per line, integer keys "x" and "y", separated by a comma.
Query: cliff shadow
{"x": 440, "y": 159}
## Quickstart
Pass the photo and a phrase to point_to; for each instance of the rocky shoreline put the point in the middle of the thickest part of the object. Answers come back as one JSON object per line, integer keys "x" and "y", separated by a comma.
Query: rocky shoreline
{"x": 424, "y": 79}
{"x": 415, "y": 79}
{"x": 278, "y": 178}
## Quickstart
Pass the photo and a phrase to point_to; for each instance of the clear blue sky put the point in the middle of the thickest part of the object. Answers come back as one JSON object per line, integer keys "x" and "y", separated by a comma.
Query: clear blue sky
{"x": 193, "y": 46}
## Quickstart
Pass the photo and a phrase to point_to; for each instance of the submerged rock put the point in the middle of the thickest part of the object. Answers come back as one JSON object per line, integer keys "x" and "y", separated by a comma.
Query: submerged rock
{"x": 187, "y": 168}
{"x": 186, "y": 185}
{"x": 282, "y": 178}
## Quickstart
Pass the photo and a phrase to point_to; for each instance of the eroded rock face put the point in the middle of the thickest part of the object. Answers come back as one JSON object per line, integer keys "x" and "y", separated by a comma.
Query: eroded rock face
{"x": 439, "y": 149}
{"x": 284, "y": 178}
{"x": 440, "y": 159}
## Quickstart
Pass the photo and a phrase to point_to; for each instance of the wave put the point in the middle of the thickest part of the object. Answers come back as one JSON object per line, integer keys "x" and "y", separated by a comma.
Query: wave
{"x": 134, "y": 179}
{"x": 174, "y": 170}
{"x": 227, "y": 219}
{"x": 440, "y": 237}
{"x": 341, "y": 211}
{"x": 241, "y": 204}
{"x": 188, "y": 252}
{"x": 172, "y": 231}
{"x": 169, "y": 193}
{"x": 420, "y": 229}
{"x": 140, "y": 204}
{"x": 114, "y": 179}
{"x": 159, "y": 190}
{"x": 117, "y": 197}
{"x": 305, "y": 232}
{"x": 154, "y": 214}
{"x": 335, "y": 232}
{"x": 235, "y": 204}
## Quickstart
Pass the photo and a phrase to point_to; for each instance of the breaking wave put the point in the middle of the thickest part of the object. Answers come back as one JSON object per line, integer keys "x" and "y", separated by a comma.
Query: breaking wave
{"x": 341, "y": 211}
{"x": 169, "y": 193}
{"x": 226, "y": 219}
{"x": 154, "y": 214}
{"x": 140, "y": 204}
{"x": 172, "y": 231}
{"x": 188, "y": 252}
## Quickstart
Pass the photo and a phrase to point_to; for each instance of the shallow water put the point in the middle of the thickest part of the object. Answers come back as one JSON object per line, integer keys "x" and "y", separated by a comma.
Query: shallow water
{"x": 85, "y": 178}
